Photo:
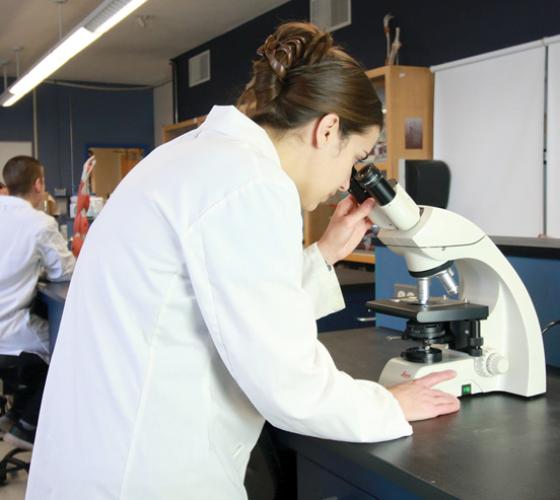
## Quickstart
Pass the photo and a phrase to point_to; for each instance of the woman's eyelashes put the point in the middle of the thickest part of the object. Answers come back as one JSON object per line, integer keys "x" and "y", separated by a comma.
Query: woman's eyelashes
{"x": 362, "y": 159}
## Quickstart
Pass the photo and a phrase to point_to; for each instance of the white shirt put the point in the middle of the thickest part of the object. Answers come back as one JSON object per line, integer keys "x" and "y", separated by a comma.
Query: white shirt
{"x": 30, "y": 244}
{"x": 189, "y": 320}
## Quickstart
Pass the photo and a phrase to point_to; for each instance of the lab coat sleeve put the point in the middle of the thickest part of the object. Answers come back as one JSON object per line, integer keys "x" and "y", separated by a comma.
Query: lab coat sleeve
{"x": 55, "y": 257}
{"x": 245, "y": 262}
{"x": 321, "y": 283}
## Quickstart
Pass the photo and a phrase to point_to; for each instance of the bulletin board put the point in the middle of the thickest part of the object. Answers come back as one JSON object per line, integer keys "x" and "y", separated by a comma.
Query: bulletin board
{"x": 489, "y": 128}
{"x": 10, "y": 149}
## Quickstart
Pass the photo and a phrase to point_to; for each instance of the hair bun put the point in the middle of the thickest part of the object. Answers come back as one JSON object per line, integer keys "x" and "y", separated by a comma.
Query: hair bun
{"x": 318, "y": 48}
{"x": 281, "y": 55}
{"x": 300, "y": 76}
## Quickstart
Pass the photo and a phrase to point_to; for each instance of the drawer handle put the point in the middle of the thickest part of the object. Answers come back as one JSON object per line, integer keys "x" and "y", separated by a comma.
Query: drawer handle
{"x": 365, "y": 319}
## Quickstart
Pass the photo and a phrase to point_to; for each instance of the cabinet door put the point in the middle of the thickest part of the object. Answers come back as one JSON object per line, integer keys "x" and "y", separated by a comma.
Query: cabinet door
{"x": 316, "y": 483}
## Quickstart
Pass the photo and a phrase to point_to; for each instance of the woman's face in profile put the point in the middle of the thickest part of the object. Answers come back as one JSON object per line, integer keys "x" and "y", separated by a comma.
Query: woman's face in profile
{"x": 332, "y": 171}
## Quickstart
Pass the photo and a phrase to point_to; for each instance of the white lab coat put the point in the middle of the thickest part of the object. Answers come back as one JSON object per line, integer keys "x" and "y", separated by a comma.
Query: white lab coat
{"x": 189, "y": 320}
{"x": 30, "y": 245}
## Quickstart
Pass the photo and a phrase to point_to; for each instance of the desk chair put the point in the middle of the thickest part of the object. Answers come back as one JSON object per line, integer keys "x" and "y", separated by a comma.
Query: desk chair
{"x": 9, "y": 370}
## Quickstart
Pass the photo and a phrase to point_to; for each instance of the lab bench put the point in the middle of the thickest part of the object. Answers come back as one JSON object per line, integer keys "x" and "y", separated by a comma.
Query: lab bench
{"x": 497, "y": 446}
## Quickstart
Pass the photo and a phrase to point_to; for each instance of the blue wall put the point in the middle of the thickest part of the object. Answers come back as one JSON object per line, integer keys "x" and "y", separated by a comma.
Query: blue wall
{"x": 230, "y": 60}
{"x": 97, "y": 117}
{"x": 432, "y": 32}
{"x": 541, "y": 277}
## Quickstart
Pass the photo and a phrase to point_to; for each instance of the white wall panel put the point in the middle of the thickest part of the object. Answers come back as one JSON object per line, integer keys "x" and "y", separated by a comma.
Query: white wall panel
{"x": 10, "y": 149}
{"x": 489, "y": 128}
{"x": 553, "y": 141}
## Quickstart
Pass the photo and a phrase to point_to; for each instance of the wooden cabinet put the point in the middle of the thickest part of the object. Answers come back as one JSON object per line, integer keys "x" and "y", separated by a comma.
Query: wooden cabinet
{"x": 407, "y": 95}
{"x": 111, "y": 166}
{"x": 170, "y": 132}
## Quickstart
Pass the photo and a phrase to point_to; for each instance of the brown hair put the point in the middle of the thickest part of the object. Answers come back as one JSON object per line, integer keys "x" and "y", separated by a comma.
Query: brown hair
{"x": 20, "y": 172}
{"x": 300, "y": 76}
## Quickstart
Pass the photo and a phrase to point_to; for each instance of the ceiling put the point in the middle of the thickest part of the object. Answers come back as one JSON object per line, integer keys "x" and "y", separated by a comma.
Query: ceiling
{"x": 129, "y": 53}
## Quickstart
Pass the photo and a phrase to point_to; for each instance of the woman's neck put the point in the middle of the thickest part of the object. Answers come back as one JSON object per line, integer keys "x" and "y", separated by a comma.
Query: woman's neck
{"x": 294, "y": 154}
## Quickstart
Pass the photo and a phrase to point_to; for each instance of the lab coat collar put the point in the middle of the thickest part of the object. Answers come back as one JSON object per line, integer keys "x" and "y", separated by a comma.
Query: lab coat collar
{"x": 230, "y": 121}
{"x": 14, "y": 201}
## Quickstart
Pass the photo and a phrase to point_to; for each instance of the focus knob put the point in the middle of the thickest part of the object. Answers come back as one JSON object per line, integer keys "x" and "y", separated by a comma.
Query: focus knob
{"x": 497, "y": 364}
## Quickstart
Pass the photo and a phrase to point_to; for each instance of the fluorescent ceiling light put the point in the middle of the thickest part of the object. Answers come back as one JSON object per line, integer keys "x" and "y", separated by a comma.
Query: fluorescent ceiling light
{"x": 116, "y": 12}
{"x": 9, "y": 99}
{"x": 63, "y": 52}
{"x": 101, "y": 20}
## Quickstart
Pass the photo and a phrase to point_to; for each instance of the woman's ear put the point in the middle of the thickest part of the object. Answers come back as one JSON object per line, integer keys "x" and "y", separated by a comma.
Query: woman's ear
{"x": 326, "y": 130}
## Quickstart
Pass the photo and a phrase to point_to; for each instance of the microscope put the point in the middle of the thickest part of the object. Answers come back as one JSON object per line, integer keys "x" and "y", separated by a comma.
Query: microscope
{"x": 485, "y": 327}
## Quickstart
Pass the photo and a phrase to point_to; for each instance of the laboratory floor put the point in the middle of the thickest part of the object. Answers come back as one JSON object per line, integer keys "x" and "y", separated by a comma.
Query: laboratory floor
{"x": 14, "y": 489}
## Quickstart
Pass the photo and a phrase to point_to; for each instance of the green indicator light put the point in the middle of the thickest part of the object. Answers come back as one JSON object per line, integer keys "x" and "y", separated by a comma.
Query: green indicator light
{"x": 466, "y": 389}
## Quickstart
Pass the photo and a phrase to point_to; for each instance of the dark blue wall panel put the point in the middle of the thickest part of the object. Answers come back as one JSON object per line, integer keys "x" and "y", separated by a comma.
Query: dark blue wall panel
{"x": 230, "y": 61}
{"x": 432, "y": 32}
{"x": 99, "y": 117}
{"x": 16, "y": 122}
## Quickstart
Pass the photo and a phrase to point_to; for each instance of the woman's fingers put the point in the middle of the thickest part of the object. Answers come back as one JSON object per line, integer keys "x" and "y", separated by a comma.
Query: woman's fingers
{"x": 419, "y": 401}
{"x": 435, "y": 378}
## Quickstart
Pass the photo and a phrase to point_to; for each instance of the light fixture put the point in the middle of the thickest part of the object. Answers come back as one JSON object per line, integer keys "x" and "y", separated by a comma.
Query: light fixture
{"x": 101, "y": 20}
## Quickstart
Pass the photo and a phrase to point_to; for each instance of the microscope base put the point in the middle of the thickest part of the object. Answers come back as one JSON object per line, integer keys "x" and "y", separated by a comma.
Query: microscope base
{"x": 467, "y": 381}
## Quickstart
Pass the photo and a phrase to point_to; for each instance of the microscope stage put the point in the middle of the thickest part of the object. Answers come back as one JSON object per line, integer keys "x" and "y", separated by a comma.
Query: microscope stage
{"x": 436, "y": 310}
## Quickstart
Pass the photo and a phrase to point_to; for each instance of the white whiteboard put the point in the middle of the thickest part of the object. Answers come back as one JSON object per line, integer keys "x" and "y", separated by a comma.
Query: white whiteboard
{"x": 553, "y": 141}
{"x": 489, "y": 129}
{"x": 9, "y": 150}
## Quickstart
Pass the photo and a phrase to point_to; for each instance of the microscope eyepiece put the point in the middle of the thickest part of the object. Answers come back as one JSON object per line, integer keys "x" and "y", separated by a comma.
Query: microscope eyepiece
{"x": 372, "y": 180}
{"x": 394, "y": 209}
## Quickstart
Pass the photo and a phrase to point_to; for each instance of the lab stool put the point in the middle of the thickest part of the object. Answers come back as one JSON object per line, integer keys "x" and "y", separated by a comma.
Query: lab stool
{"x": 8, "y": 382}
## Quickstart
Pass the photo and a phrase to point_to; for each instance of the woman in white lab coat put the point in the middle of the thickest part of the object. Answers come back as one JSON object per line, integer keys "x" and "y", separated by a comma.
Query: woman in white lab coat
{"x": 191, "y": 314}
